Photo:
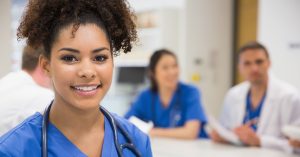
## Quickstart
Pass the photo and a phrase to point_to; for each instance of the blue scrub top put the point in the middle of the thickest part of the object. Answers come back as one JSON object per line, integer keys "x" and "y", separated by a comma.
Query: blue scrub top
{"x": 251, "y": 113}
{"x": 25, "y": 140}
{"x": 184, "y": 106}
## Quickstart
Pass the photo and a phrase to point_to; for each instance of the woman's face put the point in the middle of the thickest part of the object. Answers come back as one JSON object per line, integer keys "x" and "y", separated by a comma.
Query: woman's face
{"x": 166, "y": 72}
{"x": 80, "y": 67}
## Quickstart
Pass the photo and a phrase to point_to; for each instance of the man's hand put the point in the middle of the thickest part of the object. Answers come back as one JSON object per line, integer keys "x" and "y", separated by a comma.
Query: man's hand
{"x": 295, "y": 143}
{"x": 216, "y": 137}
{"x": 247, "y": 135}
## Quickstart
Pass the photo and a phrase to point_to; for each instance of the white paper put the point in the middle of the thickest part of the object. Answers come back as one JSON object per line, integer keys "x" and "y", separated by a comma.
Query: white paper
{"x": 293, "y": 132}
{"x": 226, "y": 134}
{"x": 143, "y": 126}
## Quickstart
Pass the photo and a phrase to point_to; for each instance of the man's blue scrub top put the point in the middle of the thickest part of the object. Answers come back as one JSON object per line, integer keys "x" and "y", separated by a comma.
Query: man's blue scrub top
{"x": 25, "y": 140}
{"x": 184, "y": 106}
{"x": 251, "y": 113}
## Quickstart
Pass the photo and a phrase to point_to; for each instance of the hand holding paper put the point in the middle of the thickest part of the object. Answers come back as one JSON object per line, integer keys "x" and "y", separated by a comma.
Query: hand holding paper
{"x": 293, "y": 132}
{"x": 226, "y": 134}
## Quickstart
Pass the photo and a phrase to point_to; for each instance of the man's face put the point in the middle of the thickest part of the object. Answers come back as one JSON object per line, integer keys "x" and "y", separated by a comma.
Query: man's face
{"x": 254, "y": 65}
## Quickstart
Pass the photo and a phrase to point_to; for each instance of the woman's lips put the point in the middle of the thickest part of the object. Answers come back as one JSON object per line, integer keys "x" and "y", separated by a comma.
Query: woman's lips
{"x": 86, "y": 90}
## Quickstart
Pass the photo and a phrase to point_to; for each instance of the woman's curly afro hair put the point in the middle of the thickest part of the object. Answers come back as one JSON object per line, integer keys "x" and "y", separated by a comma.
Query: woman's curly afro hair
{"x": 43, "y": 20}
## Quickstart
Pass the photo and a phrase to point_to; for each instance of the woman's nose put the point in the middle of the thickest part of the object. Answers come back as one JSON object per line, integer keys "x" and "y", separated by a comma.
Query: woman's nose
{"x": 87, "y": 70}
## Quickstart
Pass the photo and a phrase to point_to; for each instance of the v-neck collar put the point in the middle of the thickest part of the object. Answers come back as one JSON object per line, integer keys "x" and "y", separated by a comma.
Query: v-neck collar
{"x": 171, "y": 103}
{"x": 55, "y": 135}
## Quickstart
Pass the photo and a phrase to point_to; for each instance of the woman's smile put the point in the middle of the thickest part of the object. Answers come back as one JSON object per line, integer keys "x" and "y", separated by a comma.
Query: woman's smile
{"x": 86, "y": 89}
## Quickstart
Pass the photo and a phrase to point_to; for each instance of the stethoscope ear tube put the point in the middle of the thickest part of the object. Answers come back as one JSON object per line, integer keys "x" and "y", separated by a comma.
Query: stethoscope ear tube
{"x": 130, "y": 144}
{"x": 113, "y": 123}
{"x": 44, "y": 131}
{"x": 115, "y": 127}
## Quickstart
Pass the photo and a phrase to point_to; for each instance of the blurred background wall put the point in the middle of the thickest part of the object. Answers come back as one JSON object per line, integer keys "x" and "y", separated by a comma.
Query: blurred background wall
{"x": 204, "y": 34}
{"x": 5, "y": 37}
{"x": 279, "y": 29}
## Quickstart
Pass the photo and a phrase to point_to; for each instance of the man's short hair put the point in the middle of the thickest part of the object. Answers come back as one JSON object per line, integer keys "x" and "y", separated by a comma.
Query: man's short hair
{"x": 253, "y": 45}
{"x": 30, "y": 58}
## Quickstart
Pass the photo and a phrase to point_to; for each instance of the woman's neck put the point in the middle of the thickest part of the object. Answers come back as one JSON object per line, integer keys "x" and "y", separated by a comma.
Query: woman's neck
{"x": 166, "y": 95}
{"x": 85, "y": 129}
{"x": 73, "y": 121}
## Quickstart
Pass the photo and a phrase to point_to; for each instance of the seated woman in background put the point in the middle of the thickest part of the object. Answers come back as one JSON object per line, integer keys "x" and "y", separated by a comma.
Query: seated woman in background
{"x": 174, "y": 107}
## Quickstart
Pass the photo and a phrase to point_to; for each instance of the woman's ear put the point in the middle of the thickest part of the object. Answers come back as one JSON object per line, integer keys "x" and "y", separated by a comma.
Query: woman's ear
{"x": 44, "y": 63}
{"x": 150, "y": 74}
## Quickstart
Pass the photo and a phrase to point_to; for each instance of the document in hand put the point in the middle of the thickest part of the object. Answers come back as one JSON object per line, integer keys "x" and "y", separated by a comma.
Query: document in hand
{"x": 291, "y": 131}
{"x": 226, "y": 134}
{"x": 143, "y": 126}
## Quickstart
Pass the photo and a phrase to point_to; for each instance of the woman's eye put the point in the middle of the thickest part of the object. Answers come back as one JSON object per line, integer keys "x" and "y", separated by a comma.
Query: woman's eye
{"x": 100, "y": 58}
{"x": 69, "y": 58}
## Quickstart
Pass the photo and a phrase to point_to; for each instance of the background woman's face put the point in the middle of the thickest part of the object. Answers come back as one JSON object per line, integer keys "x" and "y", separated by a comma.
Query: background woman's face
{"x": 81, "y": 67}
{"x": 167, "y": 72}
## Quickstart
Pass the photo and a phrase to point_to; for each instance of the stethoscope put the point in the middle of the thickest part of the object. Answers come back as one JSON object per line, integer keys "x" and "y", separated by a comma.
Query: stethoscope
{"x": 114, "y": 125}
{"x": 175, "y": 113}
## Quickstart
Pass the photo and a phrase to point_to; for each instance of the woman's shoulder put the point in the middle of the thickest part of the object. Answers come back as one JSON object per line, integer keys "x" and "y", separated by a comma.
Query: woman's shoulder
{"x": 187, "y": 88}
{"x": 145, "y": 94}
{"x": 146, "y": 91}
{"x": 23, "y": 135}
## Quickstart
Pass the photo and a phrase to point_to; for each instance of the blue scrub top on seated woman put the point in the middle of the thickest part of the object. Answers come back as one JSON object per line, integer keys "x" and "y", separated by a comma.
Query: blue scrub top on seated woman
{"x": 25, "y": 140}
{"x": 184, "y": 106}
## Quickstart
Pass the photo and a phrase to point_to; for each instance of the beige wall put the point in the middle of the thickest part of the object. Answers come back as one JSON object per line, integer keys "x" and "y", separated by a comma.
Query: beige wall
{"x": 5, "y": 37}
{"x": 207, "y": 50}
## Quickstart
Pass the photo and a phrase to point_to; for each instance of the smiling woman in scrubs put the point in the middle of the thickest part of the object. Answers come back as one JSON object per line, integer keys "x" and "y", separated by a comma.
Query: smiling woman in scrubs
{"x": 174, "y": 107}
{"x": 80, "y": 38}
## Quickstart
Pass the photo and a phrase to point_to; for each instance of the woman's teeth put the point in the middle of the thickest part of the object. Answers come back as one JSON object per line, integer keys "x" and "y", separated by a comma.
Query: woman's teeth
{"x": 85, "y": 88}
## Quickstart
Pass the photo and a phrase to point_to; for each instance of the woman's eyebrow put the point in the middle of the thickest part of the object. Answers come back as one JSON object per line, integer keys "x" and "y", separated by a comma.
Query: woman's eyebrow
{"x": 69, "y": 49}
{"x": 100, "y": 49}
{"x": 77, "y": 51}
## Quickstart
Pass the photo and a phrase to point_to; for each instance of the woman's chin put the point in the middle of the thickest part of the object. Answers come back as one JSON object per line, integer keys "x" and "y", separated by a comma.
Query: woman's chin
{"x": 172, "y": 86}
{"x": 86, "y": 104}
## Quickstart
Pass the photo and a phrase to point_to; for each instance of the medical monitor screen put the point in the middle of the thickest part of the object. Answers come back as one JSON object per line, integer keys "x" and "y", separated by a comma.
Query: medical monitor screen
{"x": 131, "y": 75}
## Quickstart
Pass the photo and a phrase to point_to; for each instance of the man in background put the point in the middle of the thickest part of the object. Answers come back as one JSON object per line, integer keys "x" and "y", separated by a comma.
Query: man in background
{"x": 257, "y": 109}
{"x": 24, "y": 92}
